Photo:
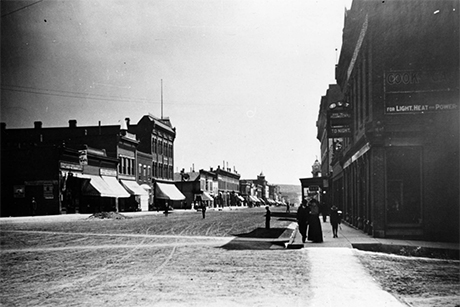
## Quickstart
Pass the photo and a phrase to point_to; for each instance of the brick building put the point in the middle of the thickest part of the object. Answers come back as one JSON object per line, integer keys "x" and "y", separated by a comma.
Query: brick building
{"x": 88, "y": 168}
{"x": 156, "y": 140}
{"x": 392, "y": 141}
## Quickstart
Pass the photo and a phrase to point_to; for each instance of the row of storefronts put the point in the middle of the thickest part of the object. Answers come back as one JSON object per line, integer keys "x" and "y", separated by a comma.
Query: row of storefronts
{"x": 218, "y": 188}
{"x": 126, "y": 167}
{"x": 389, "y": 128}
{"x": 87, "y": 169}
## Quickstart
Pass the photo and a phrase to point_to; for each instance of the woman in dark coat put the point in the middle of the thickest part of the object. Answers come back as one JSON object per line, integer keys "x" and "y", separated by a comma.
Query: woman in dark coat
{"x": 315, "y": 233}
{"x": 302, "y": 220}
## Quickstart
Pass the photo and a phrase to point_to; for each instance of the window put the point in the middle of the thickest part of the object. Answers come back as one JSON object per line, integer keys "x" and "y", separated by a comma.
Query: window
{"x": 403, "y": 186}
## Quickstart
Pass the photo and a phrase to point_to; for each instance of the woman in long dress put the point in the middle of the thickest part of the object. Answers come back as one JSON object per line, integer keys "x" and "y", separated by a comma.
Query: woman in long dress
{"x": 315, "y": 233}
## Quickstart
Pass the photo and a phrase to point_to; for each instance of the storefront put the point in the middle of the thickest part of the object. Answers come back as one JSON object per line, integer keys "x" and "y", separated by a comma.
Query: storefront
{"x": 166, "y": 193}
{"x": 139, "y": 200}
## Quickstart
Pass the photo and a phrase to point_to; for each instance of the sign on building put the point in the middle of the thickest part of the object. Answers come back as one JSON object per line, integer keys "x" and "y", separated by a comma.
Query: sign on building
{"x": 339, "y": 121}
{"x": 409, "y": 91}
{"x": 83, "y": 157}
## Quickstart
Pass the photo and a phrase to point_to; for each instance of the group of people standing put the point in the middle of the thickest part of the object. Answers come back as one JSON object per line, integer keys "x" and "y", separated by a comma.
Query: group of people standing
{"x": 308, "y": 218}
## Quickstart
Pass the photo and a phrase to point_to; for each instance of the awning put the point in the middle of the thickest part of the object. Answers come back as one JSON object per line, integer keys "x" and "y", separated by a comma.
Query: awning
{"x": 116, "y": 187}
{"x": 145, "y": 186}
{"x": 254, "y": 199}
{"x": 133, "y": 188}
{"x": 240, "y": 198}
{"x": 203, "y": 196}
{"x": 103, "y": 187}
{"x": 206, "y": 196}
{"x": 168, "y": 191}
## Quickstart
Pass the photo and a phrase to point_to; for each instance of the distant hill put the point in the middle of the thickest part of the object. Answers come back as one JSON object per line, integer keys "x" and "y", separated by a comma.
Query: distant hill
{"x": 291, "y": 192}
{"x": 289, "y": 188}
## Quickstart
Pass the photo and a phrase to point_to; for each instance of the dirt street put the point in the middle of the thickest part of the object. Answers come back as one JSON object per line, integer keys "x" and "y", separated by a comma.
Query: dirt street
{"x": 227, "y": 259}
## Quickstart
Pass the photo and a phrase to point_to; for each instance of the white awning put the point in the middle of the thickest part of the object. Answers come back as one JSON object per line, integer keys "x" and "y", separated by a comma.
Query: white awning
{"x": 97, "y": 186}
{"x": 116, "y": 187}
{"x": 254, "y": 199}
{"x": 168, "y": 191}
{"x": 133, "y": 188}
{"x": 204, "y": 196}
{"x": 145, "y": 186}
{"x": 240, "y": 198}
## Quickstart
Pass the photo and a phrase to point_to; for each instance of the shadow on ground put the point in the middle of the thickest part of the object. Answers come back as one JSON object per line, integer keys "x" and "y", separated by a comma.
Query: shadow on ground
{"x": 244, "y": 241}
{"x": 413, "y": 251}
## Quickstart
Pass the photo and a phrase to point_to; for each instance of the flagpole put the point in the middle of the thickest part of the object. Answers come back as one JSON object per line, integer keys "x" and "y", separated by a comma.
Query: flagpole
{"x": 161, "y": 98}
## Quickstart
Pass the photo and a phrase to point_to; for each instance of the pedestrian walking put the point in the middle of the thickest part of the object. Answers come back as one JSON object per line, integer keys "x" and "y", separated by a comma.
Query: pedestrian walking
{"x": 288, "y": 208}
{"x": 324, "y": 211}
{"x": 315, "y": 233}
{"x": 335, "y": 221}
{"x": 302, "y": 220}
{"x": 166, "y": 208}
{"x": 33, "y": 206}
{"x": 268, "y": 216}
{"x": 203, "y": 210}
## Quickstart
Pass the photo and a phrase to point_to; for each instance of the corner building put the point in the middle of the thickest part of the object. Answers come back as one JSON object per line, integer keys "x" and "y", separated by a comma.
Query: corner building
{"x": 395, "y": 173}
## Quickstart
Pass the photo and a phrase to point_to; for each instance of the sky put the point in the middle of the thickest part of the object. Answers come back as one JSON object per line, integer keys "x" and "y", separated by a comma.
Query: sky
{"x": 242, "y": 80}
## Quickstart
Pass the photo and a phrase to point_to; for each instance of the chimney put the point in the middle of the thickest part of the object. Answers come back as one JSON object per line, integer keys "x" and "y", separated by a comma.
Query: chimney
{"x": 127, "y": 120}
{"x": 38, "y": 125}
{"x": 73, "y": 123}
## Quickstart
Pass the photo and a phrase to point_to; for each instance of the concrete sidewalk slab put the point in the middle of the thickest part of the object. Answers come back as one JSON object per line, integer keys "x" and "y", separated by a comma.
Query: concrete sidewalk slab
{"x": 349, "y": 237}
{"x": 337, "y": 277}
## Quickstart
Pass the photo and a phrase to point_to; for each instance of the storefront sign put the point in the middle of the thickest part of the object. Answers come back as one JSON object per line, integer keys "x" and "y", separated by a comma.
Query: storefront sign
{"x": 83, "y": 157}
{"x": 48, "y": 191}
{"x": 338, "y": 132}
{"x": 108, "y": 172}
{"x": 421, "y": 91}
{"x": 70, "y": 166}
{"x": 19, "y": 191}
{"x": 339, "y": 123}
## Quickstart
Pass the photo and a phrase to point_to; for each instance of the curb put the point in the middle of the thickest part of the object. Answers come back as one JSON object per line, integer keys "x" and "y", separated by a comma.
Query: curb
{"x": 290, "y": 244}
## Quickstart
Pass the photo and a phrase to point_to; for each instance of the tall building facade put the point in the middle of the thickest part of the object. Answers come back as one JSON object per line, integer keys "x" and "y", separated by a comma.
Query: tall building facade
{"x": 392, "y": 141}
{"x": 156, "y": 139}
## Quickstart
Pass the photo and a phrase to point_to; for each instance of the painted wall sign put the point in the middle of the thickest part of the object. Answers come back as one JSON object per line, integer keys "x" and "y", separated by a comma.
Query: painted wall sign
{"x": 70, "y": 166}
{"x": 421, "y": 91}
{"x": 19, "y": 191}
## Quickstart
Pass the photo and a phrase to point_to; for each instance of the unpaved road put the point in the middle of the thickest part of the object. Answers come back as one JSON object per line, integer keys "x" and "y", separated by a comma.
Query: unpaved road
{"x": 228, "y": 259}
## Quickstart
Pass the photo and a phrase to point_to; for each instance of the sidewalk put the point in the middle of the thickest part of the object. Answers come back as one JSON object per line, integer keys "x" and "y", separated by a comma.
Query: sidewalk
{"x": 350, "y": 237}
{"x": 336, "y": 274}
